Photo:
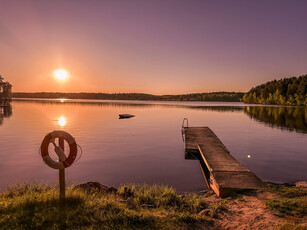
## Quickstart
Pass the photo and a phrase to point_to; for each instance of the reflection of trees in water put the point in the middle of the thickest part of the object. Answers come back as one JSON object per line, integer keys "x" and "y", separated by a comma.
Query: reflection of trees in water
{"x": 290, "y": 118}
{"x": 5, "y": 111}
{"x": 113, "y": 104}
{"x": 131, "y": 104}
{"x": 218, "y": 108}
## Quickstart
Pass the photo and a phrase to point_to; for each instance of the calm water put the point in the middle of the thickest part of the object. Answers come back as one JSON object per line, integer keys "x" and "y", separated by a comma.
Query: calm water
{"x": 148, "y": 148}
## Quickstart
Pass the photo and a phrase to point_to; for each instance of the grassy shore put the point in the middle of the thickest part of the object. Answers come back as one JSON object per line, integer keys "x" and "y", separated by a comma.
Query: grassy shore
{"x": 35, "y": 206}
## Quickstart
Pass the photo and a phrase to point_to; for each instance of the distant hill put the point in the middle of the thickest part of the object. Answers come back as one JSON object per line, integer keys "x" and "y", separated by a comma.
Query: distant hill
{"x": 216, "y": 96}
{"x": 287, "y": 91}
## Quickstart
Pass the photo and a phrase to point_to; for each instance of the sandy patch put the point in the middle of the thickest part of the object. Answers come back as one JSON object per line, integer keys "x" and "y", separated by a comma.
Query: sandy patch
{"x": 247, "y": 212}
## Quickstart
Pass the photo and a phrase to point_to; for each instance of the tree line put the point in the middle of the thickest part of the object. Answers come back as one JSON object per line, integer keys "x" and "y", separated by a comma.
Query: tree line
{"x": 216, "y": 96}
{"x": 5, "y": 90}
{"x": 286, "y": 91}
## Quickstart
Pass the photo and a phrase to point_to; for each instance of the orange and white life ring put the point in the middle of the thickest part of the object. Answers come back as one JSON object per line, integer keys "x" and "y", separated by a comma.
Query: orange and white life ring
{"x": 64, "y": 161}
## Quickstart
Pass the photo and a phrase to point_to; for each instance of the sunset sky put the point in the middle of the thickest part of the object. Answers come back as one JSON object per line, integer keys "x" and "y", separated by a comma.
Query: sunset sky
{"x": 157, "y": 46}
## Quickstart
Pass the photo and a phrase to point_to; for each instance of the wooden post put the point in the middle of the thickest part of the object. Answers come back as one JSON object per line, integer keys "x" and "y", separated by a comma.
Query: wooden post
{"x": 62, "y": 173}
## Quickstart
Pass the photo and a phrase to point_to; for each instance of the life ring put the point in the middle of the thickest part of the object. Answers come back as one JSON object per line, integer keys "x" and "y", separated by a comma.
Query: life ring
{"x": 64, "y": 161}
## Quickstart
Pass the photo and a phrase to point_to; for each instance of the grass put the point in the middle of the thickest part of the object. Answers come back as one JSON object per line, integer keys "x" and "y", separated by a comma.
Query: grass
{"x": 291, "y": 202}
{"x": 290, "y": 226}
{"x": 133, "y": 206}
{"x": 34, "y": 206}
{"x": 163, "y": 197}
{"x": 284, "y": 207}
{"x": 287, "y": 191}
{"x": 220, "y": 207}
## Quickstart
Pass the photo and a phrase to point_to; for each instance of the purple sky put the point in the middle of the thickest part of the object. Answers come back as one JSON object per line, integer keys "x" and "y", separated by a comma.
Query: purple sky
{"x": 158, "y": 46}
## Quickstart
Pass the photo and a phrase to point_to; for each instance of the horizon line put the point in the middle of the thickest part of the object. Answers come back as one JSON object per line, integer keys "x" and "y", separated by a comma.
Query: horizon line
{"x": 136, "y": 93}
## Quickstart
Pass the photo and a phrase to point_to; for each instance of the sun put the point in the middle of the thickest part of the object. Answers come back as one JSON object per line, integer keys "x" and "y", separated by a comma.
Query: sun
{"x": 60, "y": 74}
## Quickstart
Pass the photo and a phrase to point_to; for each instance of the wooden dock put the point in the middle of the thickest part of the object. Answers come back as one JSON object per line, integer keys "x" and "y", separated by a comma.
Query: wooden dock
{"x": 222, "y": 172}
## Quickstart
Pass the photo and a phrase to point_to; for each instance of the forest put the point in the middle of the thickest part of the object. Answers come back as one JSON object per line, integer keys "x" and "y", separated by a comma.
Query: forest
{"x": 217, "y": 96}
{"x": 286, "y": 91}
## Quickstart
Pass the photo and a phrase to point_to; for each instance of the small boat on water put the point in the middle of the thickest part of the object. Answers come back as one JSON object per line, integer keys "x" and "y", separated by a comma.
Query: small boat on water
{"x": 125, "y": 116}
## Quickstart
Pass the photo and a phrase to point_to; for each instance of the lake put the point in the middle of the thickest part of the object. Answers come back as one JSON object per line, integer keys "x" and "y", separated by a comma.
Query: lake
{"x": 148, "y": 148}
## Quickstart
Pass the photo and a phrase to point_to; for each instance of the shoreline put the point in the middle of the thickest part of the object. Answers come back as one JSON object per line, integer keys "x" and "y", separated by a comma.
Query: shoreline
{"x": 139, "y": 206}
{"x": 150, "y": 101}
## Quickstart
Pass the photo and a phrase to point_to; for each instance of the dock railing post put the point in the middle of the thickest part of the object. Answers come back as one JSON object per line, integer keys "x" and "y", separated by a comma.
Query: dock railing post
{"x": 182, "y": 128}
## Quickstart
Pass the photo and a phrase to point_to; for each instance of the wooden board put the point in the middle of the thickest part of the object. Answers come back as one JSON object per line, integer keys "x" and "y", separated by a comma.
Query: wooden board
{"x": 239, "y": 180}
{"x": 199, "y": 135}
{"x": 218, "y": 159}
{"x": 222, "y": 172}
{"x": 205, "y": 172}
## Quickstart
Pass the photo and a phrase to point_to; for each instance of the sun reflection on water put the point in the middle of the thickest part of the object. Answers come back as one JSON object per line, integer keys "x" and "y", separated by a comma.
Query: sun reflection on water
{"x": 62, "y": 99}
{"x": 62, "y": 121}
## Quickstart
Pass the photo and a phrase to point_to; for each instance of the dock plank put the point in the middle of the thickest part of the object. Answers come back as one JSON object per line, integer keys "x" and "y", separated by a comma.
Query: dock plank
{"x": 222, "y": 172}
{"x": 238, "y": 180}
{"x": 217, "y": 159}
{"x": 200, "y": 135}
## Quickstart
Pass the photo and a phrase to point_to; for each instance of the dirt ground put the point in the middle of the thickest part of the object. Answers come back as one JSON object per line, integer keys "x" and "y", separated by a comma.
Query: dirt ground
{"x": 249, "y": 212}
